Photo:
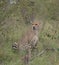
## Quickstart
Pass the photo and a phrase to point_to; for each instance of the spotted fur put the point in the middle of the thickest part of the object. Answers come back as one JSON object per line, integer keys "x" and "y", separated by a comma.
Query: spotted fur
{"x": 30, "y": 38}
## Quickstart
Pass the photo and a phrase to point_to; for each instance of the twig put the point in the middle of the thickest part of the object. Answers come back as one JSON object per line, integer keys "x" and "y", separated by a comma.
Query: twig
{"x": 39, "y": 54}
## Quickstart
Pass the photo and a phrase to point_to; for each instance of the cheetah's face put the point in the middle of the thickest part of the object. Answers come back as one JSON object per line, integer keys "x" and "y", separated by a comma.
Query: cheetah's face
{"x": 35, "y": 26}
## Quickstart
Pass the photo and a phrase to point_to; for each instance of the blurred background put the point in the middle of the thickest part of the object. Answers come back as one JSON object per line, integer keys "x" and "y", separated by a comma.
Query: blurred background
{"x": 15, "y": 18}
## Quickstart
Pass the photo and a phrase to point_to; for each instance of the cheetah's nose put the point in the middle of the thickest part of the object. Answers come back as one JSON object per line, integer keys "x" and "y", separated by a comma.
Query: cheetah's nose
{"x": 33, "y": 27}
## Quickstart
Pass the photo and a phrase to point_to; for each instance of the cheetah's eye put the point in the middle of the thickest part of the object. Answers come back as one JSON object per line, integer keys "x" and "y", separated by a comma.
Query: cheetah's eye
{"x": 32, "y": 24}
{"x": 35, "y": 24}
